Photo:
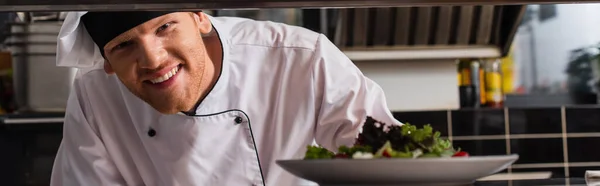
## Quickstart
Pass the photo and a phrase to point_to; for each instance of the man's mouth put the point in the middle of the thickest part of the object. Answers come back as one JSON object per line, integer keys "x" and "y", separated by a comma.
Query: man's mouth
{"x": 166, "y": 76}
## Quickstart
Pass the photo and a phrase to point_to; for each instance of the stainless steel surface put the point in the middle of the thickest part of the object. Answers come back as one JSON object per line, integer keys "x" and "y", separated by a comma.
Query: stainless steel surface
{"x": 340, "y": 31}
{"x": 40, "y": 85}
{"x": 403, "y": 25}
{"x": 37, "y": 38}
{"x": 37, "y": 28}
{"x": 429, "y": 27}
{"x": 484, "y": 27}
{"x": 32, "y": 121}
{"x": 422, "y": 53}
{"x": 32, "y": 48}
{"x": 443, "y": 25}
{"x": 465, "y": 21}
{"x": 361, "y": 22}
{"x": 423, "y": 24}
{"x": 114, "y": 5}
{"x": 384, "y": 18}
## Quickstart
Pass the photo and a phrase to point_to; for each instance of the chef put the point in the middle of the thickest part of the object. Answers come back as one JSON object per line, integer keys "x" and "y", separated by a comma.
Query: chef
{"x": 183, "y": 98}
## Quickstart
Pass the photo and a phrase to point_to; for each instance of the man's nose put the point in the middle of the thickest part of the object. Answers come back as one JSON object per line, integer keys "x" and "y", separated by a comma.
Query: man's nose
{"x": 153, "y": 54}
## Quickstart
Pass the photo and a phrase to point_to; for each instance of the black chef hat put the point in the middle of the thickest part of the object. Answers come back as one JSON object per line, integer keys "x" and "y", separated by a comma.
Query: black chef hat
{"x": 105, "y": 26}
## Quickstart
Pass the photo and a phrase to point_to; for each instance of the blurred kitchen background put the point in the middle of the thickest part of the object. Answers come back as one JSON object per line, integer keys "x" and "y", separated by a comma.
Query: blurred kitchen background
{"x": 494, "y": 79}
{"x": 543, "y": 55}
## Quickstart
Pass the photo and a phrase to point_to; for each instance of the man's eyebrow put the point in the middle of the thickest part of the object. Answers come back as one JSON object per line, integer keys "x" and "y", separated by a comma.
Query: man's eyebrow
{"x": 161, "y": 20}
{"x": 119, "y": 39}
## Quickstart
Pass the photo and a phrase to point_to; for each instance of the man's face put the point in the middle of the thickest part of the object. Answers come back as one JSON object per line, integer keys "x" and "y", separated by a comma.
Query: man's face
{"x": 162, "y": 61}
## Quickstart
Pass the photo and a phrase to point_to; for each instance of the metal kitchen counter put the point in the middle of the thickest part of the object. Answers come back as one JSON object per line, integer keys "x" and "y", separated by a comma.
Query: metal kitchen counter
{"x": 533, "y": 182}
{"x": 541, "y": 182}
{"x": 32, "y": 118}
{"x": 30, "y": 122}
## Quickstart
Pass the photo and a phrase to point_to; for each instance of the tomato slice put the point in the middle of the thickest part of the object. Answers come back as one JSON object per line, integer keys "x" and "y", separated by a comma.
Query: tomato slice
{"x": 461, "y": 154}
{"x": 342, "y": 156}
{"x": 386, "y": 154}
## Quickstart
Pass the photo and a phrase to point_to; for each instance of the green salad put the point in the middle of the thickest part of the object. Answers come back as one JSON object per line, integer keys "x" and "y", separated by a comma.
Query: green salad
{"x": 378, "y": 140}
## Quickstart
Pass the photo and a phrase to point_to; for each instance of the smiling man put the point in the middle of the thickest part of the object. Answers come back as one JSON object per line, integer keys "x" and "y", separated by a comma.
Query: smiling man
{"x": 183, "y": 98}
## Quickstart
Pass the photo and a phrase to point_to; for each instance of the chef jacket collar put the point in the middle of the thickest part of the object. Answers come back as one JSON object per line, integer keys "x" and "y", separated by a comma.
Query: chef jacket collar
{"x": 223, "y": 31}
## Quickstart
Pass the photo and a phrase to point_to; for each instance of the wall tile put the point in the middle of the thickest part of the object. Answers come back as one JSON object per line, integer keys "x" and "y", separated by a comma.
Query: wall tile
{"x": 472, "y": 122}
{"x": 11, "y": 158}
{"x": 482, "y": 147}
{"x": 583, "y": 119}
{"x": 583, "y": 149}
{"x": 28, "y": 153}
{"x": 557, "y": 172}
{"x": 39, "y": 170}
{"x": 547, "y": 150}
{"x": 437, "y": 119}
{"x": 555, "y": 182}
{"x": 45, "y": 143}
{"x": 534, "y": 120}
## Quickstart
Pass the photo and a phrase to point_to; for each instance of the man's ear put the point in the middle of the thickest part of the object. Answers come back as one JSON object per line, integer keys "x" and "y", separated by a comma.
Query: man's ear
{"x": 203, "y": 23}
{"x": 107, "y": 68}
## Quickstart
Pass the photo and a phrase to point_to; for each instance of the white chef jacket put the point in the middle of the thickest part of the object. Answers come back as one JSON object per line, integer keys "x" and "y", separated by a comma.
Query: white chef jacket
{"x": 280, "y": 89}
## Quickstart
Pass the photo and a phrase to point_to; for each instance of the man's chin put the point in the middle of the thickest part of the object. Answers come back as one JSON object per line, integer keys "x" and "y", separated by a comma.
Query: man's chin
{"x": 168, "y": 112}
{"x": 164, "y": 108}
{"x": 168, "y": 103}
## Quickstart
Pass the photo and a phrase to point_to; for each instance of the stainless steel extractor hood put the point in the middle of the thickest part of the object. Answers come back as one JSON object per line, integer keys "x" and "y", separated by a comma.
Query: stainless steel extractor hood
{"x": 432, "y": 32}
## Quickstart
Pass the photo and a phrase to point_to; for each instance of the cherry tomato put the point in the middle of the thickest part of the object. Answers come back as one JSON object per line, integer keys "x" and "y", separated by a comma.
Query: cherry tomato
{"x": 386, "y": 154}
{"x": 461, "y": 154}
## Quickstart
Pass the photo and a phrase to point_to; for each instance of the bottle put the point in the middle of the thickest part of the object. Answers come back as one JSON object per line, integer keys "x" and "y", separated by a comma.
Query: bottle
{"x": 470, "y": 83}
{"x": 465, "y": 89}
{"x": 493, "y": 84}
{"x": 477, "y": 78}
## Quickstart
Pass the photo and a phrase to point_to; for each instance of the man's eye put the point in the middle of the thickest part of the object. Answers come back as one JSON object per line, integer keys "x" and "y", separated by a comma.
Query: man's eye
{"x": 163, "y": 27}
{"x": 122, "y": 45}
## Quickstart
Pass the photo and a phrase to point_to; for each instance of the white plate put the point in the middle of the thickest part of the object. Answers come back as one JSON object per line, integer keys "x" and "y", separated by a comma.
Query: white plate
{"x": 393, "y": 172}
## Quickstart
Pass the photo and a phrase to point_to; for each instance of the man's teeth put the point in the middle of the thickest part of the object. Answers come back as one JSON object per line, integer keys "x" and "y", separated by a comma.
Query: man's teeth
{"x": 165, "y": 77}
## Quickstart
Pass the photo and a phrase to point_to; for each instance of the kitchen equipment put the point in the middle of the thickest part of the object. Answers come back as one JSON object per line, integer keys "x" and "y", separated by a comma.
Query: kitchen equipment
{"x": 398, "y": 171}
{"x": 463, "y": 28}
{"x": 40, "y": 86}
{"x": 582, "y": 75}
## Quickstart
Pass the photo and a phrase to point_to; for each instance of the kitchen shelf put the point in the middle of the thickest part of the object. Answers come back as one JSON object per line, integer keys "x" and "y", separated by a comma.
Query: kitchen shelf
{"x": 31, "y": 118}
{"x": 118, "y": 5}
{"x": 424, "y": 53}
{"x": 8, "y": 121}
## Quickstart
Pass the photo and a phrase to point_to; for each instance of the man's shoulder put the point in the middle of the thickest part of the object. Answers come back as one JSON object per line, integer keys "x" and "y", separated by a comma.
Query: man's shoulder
{"x": 250, "y": 32}
{"x": 92, "y": 75}
{"x": 101, "y": 91}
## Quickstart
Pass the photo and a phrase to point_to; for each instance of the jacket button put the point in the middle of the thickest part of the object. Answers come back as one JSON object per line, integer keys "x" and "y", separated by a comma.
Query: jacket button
{"x": 151, "y": 132}
{"x": 238, "y": 120}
